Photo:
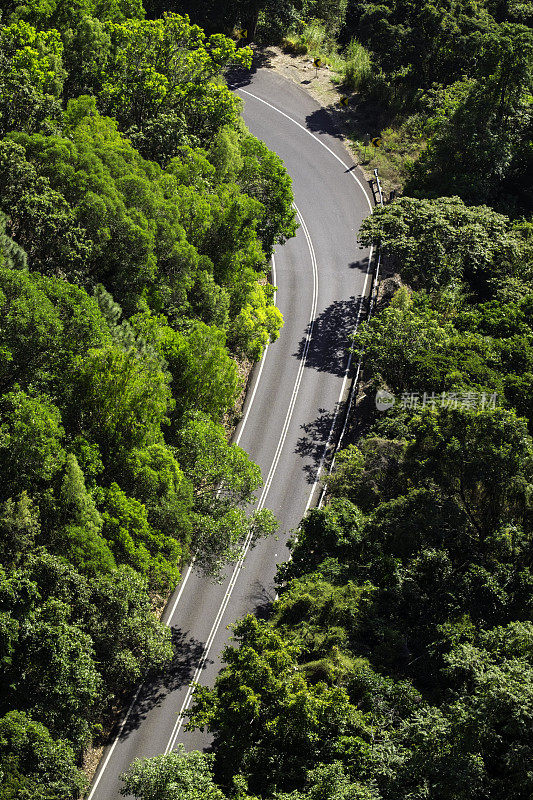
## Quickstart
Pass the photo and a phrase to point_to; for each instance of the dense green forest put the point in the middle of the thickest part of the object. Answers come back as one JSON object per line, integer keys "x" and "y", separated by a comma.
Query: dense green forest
{"x": 137, "y": 218}
{"x": 397, "y": 663}
{"x": 445, "y": 83}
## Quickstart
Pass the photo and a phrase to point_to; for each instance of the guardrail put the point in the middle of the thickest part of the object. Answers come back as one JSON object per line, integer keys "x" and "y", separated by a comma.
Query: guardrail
{"x": 379, "y": 186}
{"x": 374, "y": 288}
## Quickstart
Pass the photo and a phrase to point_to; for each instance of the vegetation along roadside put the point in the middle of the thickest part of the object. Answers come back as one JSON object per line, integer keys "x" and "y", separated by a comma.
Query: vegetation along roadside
{"x": 397, "y": 660}
{"x": 138, "y": 215}
{"x": 137, "y": 218}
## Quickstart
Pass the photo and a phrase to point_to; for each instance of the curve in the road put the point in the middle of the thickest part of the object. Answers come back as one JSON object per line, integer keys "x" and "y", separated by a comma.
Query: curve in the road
{"x": 246, "y": 545}
{"x": 349, "y": 363}
{"x": 176, "y": 600}
{"x": 306, "y": 130}
{"x": 262, "y": 499}
{"x": 290, "y": 395}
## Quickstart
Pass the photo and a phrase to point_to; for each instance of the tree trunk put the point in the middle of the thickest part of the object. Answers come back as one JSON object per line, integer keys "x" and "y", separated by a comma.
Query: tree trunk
{"x": 251, "y": 25}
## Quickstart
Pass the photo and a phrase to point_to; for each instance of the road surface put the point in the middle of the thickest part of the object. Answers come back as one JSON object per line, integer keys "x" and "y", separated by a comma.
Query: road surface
{"x": 292, "y": 412}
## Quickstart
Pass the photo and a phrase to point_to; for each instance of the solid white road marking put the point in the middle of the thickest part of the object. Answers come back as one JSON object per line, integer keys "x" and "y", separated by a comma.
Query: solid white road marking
{"x": 312, "y": 135}
{"x": 184, "y": 582}
{"x": 303, "y": 360}
{"x": 356, "y": 179}
{"x": 343, "y": 389}
{"x": 168, "y": 620}
{"x": 245, "y": 420}
{"x": 239, "y": 565}
{"x": 182, "y": 587}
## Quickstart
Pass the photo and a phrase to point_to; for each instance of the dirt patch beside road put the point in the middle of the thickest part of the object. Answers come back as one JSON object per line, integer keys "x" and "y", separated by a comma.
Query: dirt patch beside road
{"x": 319, "y": 84}
{"x": 358, "y": 123}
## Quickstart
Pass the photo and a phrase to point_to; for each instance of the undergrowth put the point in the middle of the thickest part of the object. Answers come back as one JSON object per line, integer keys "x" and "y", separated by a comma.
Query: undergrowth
{"x": 351, "y": 65}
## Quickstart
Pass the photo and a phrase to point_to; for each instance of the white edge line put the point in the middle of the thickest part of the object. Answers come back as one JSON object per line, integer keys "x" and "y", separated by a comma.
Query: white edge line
{"x": 112, "y": 748}
{"x": 348, "y": 365}
{"x": 102, "y": 770}
{"x": 169, "y": 616}
{"x": 343, "y": 388}
{"x": 354, "y": 383}
{"x": 312, "y": 135}
{"x": 350, "y": 172}
{"x": 301, "y": 368}
{"x": 178, "y": 598}
{"x": 268, "y": 482}
{"x": 262, "y": 364}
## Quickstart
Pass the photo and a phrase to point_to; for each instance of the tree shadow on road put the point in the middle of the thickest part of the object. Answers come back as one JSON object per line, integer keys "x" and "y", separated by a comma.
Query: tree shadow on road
{"x": 322, "y": 121}
{"x": 312, "y": 444}
{"x": 187, "y": 654}
{"x": 330, "y": 337}
{"x": 262, "y": 598}
{"x": 238, "y": 78}
{"x": 361, "y": 265}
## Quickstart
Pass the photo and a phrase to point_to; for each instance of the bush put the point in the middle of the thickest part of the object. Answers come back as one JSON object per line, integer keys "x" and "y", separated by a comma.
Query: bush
{"x": 357, "y": 68}
{"x": 295, "y": 45}
{"x": 316, "y": 36}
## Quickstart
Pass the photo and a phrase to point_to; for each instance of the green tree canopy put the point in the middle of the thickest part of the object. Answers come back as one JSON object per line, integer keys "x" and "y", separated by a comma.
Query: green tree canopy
{"x": 34, "y": 764}
{"x": 31, "y": 77}
{"x": 441, "y": 242}
{"x": 176, "y": 776}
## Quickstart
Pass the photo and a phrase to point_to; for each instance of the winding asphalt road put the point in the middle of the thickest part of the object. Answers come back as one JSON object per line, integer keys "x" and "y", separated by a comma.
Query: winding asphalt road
{"x": 292, "y": 413}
